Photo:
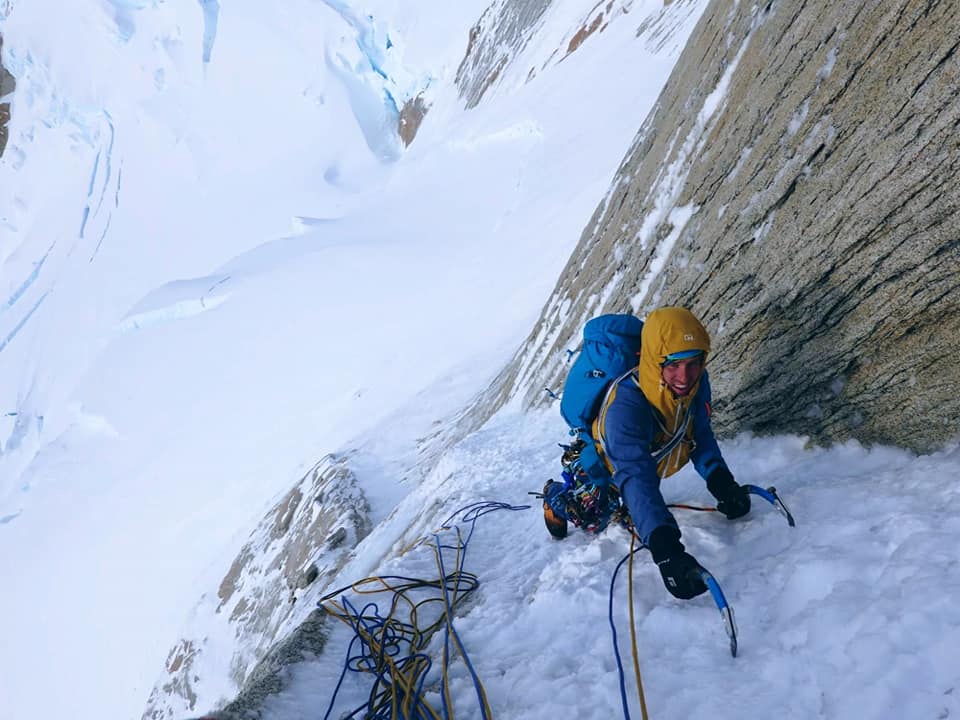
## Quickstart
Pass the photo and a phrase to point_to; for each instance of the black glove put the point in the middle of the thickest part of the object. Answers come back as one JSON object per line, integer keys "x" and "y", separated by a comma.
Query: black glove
{"x": 678, "y": 568}
{"x": 733, "y": 500}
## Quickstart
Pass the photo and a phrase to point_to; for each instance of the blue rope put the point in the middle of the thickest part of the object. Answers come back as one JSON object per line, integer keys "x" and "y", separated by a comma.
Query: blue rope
{"x": 471, "y": 513}
{"x": 449, "y": 628}
{"x": 363, "y": 660}
{"x": 343, "y": 674}
{"x": 476, "y": 510}
{"x": 393, "y": 638}
{"x": 613, "y": 630}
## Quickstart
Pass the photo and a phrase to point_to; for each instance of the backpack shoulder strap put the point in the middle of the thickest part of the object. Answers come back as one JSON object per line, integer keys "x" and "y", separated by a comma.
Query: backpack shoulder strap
{"x": 599, "y": 425}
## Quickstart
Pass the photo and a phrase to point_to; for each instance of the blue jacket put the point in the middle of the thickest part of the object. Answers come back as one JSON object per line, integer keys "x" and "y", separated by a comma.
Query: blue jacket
{"x": 629, "y": 439}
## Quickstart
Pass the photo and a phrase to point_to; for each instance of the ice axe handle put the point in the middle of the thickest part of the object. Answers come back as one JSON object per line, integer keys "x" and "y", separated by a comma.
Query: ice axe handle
{"x": 770, "y": 495}
{"x": 726, "y": 612}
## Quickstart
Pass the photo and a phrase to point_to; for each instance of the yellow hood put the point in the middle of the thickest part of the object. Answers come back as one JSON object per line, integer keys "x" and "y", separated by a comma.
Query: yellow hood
{"x": 668, "y": 330}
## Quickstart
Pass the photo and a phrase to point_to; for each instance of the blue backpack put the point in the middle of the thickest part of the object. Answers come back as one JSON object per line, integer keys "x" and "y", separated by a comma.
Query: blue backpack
{"x": 611, "y": 347}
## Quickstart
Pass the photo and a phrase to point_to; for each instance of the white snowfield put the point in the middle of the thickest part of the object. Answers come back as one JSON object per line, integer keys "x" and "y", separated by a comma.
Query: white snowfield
{"x": 850, "y": 614}
{"x": 219, "y": 264}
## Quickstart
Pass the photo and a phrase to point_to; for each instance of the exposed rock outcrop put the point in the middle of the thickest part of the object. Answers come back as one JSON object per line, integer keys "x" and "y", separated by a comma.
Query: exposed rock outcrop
{"x": 596, "y": 21}
{"x": 498, "y": 43}
{"x": 500, "y": 35}
{"x": 302, "y": 542}
{"x": 797, "y": 186}
{"x": 411, "y": 116}
{"x": 269, "y": 677}
{"x": 7, "y": 86}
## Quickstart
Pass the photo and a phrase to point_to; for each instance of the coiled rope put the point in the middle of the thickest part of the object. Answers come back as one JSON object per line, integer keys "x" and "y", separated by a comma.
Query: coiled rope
{"x": 393, "y": 649}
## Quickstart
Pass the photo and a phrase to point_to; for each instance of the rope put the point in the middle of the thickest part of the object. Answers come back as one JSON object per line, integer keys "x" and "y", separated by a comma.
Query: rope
{"x": 451, "y": 630}
{"x": 616, "y": 646}
{"x": 393, "y": 650}
{"x": 471, "y": 513}
{"x": 402, "y": 679}
{"x": 633, "y": 629}
{"x": 698, "y": 508}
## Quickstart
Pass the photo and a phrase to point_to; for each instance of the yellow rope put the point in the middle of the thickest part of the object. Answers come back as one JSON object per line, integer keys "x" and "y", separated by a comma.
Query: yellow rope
{"x": 449, "y": 619}
{"x": 418, "y": 637}
{"x": 633, "y": 629}
{"x": 446, "y": 612}
{"x": 407, "y": 682}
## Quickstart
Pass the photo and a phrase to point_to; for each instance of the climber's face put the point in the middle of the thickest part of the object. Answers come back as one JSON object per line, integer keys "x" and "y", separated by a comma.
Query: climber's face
{"x": 682, "y": 375}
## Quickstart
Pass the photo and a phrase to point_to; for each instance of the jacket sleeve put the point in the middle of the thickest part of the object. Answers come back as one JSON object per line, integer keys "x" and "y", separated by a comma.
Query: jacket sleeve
{"x": 628, "y": 435}
{"x": 706, "y": 454}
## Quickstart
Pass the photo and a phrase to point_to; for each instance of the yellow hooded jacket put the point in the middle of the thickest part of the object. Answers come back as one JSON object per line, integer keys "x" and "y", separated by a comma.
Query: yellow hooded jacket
{"x": 666, "y": 331}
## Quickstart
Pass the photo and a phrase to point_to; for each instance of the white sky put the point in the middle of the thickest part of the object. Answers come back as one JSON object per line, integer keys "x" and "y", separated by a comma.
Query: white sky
{"x": 214, "y": 274}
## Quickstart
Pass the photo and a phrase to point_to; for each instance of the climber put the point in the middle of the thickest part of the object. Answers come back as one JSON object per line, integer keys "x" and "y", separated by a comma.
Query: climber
{"x": 651, "y": 423}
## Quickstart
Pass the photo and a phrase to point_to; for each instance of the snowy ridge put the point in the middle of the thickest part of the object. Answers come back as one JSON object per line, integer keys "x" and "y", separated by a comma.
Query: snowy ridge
{"x": 177, "y": 300}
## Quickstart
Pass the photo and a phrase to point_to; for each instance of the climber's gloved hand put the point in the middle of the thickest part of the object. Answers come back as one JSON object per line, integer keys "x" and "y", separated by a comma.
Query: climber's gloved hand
{"x": 679, "y": 569}
{"x": 733, "y": 500}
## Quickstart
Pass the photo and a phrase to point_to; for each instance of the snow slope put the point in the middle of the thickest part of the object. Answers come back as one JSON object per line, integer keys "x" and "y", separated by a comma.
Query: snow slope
{"x": 219, "y": 267}
{"x": 848, "y": 615}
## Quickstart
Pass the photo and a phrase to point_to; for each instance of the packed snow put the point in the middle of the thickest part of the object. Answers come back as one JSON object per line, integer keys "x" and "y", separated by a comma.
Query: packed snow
{"x": 218, "y": 264}
{"x": 849, "y": 614}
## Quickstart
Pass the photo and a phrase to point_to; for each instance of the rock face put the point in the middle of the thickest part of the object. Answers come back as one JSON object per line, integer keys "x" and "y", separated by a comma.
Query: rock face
{"x": 501, "y": 33}
{"x": 497, "y": 43}
{"x": 796, "y": 186}
{"x": 7, "y": 86}
{"x": 411, "y": 116}
{"x": 302, "y": 542}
